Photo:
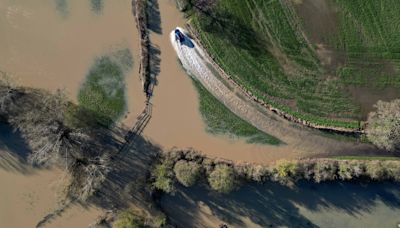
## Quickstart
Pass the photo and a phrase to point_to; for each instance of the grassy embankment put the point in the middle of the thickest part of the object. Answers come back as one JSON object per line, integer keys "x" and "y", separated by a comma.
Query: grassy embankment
{"x": 272, "y": 59}
{"x": 103, "y": 92}
{"x": 220, "y": 120}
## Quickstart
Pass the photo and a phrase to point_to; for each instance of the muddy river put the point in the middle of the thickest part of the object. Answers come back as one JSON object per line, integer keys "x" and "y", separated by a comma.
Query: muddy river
{"x": 51, "y": 44}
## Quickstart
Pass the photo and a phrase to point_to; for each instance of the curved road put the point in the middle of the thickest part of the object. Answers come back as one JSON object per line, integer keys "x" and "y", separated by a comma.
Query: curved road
{"x": 307, "y": 141}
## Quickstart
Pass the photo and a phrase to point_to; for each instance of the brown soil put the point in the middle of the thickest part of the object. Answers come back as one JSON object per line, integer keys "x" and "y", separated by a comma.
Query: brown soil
{"x": 367, "y": 97}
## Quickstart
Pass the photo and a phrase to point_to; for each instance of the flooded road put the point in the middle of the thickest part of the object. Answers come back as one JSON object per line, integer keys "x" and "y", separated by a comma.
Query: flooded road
{"x": 176, "y": 121}
{"x": 337, "y": 204}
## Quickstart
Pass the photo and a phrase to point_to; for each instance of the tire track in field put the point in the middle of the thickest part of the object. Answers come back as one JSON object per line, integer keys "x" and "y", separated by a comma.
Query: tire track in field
{"x": 298, "y": 138}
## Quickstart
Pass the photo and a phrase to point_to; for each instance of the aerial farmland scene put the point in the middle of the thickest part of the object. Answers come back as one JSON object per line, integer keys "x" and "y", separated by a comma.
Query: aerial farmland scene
{"x": 199, "y": 113}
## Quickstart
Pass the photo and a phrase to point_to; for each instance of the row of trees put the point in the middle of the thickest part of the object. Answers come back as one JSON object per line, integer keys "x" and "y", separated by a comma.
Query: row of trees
{"x": 41, "y": 118}
{"x": 190, "y": 167}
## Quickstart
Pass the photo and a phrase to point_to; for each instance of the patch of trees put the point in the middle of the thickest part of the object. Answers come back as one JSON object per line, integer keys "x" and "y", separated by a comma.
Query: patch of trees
{"x": 188, "y": 167}
{"x": 50, "y": 128}
{"x": 384, "y": 125}
{"x": 129, "y": 218}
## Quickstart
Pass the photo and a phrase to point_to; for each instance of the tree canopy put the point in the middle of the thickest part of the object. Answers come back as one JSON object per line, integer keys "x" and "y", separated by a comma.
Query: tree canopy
{"x": 384, "y": 125}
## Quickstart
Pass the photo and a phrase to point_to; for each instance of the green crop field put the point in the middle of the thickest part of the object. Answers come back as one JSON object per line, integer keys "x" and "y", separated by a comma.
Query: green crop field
{"x": 103, "y": 92}
{"x": 220, "y": 120}
{"x": 265, "y": 47}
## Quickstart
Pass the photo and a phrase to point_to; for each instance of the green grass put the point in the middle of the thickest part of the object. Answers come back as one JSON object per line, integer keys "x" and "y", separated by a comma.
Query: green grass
{"x": 261, "y": 45}
{"x": 368, "y": 158}
{"x": 220, "y": 120}
{"x": 103, "y": 92}
{"x": 368, "y": 33}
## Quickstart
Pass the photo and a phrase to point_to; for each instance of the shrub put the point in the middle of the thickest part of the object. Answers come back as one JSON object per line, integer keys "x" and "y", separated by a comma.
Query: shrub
{"x": 393, "y": 170}
{"x": 126, "y": 219}
{"x": 384, "y": 125}
{"x": 350, "y": 169}
{"x": 286, "y": 170}
{"x": 325, "y": 170}
{"x": 162, "y": 175}
{"x": 222, "y": 179}
{"x": 186, "y": 172}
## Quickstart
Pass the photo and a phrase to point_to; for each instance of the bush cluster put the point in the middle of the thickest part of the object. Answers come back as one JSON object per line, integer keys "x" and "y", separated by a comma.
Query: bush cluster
{"x": 189, "y": 167}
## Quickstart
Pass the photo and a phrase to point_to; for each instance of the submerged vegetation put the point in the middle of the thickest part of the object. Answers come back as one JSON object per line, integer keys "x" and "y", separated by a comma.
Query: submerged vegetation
{"x": 103, "y": 92}
{"x": 62, "y": 7}
{"x": 97, "y": 6}
{"x": 220, "y": 120}
{"x": 277, "y": 63}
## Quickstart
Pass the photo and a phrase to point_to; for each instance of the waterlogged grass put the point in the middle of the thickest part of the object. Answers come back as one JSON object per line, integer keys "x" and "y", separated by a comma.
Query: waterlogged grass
{"x": 62, "y": 7}
{"x": 368, "y": 158}
{"x": 261, "y": 45}
{"x": 220, "y": 120}
{"x": 103, "y": 92}
{"x": 97, "y": 6}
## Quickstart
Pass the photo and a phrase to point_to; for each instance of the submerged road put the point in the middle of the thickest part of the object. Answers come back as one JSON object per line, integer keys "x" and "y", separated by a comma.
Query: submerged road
{"x": 308, "y": 142}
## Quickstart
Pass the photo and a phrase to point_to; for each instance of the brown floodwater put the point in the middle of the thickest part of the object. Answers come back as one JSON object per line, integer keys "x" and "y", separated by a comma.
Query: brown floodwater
{"x": 26, "y": 197}
{"x": 45, "y": 46}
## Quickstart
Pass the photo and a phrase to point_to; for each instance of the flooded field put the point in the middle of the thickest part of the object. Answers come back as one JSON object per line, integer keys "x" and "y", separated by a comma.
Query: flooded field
{"x": 52, "y": 44}
{"x": 272, "y": 205}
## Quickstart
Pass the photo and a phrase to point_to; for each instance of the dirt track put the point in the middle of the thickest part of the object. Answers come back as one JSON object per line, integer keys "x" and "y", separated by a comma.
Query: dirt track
{"x": 300, "y": 139}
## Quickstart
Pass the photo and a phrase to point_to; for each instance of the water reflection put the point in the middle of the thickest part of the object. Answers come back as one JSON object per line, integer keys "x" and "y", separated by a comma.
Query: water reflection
{"x": 271, "y": 205}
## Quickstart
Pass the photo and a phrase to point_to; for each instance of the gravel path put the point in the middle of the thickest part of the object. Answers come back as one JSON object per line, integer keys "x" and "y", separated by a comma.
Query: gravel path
{"x": 304, "y": 140}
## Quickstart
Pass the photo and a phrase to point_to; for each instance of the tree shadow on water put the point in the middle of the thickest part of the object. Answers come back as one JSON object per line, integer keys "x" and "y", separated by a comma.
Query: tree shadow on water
{"x": 154, "y": 18}
{"x": 126, "y": 183}
{"x": 272, "y": 204}
{"x": 13, "y": 150}
{"x": 154, "y": 65}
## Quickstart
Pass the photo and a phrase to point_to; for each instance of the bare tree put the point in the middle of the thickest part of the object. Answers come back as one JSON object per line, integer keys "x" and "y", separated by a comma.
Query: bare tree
{"x": 42, "y": 125}
{"x": 88, "y": 174}
{"x": 384, "y": 125}
{"x": 8, "y": 94}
